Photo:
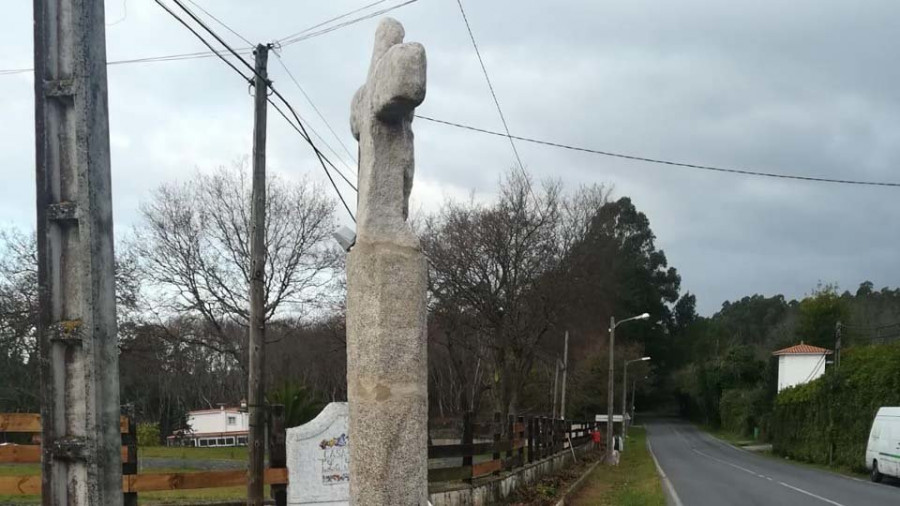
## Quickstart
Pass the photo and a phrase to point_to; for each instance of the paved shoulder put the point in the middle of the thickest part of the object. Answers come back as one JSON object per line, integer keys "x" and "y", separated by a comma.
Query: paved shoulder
{"x": 705, "y": 471}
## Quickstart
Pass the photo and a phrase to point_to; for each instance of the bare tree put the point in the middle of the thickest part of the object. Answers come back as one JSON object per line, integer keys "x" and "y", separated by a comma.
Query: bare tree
{"x": 193, "y": 246}
{"x": 18, "y": 315}
{"x": 495, "y": 285}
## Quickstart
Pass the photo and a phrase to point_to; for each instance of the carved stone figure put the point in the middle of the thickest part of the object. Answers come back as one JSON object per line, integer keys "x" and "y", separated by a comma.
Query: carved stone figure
{"x": 386, "y": 287}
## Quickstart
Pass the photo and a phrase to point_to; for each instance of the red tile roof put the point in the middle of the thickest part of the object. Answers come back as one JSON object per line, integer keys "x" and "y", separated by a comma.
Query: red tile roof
{"x": 802, "y": 349}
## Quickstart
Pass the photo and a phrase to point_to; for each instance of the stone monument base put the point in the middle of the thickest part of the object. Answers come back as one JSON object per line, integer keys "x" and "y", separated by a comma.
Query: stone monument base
{"x": 387, "y": 374}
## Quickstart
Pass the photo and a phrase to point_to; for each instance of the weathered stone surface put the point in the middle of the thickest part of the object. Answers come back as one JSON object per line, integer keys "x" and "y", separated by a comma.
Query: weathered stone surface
{"x": 386, "y": 285}
{"x": 381, "y": 120}
{"x": 318, "y": 458}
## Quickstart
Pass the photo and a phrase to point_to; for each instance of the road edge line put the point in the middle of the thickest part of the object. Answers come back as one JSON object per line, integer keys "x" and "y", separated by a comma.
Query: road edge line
{"x": 669, "y": 488}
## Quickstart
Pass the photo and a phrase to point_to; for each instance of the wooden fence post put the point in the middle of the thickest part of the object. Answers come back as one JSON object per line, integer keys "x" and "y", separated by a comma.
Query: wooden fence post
{"x": 498, "y": 428}
{"x": 510, "y": 439}
{"x": 277, "y": 450}
{"x": 520, "y": 459}
{"x": 542, "y": 450}
{"x": 129, "y": 465}
{"x": 530, "y": 439}
{"x": 467, "y": 437}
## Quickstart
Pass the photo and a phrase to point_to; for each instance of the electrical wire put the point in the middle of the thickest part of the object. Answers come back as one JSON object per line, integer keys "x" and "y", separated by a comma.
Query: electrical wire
{"x": 222, "y": 23}
{"x": 661, "y": 161}
{"x": 509, "y": 136}
{"x": 323, "y": 23}
{"x": 244, "y": 51}
{"x": 148, "y": 59}
{"x": 316, "y": 109}
{"x": 490, "y": 85}
{"x": 321, "y": 157}
{"x": 287, "y": 41}
{"x": 344, "y": 202}
{"x": 205, "y": 42}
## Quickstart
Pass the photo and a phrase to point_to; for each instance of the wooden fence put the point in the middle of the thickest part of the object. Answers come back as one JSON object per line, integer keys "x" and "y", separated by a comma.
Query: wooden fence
{"x": 503, "y": 445}
{"x": 132, "y": 482}
{"x": 484, "y": 449}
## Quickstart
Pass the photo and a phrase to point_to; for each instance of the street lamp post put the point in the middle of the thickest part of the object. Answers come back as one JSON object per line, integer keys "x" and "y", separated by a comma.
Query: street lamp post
{"x": 625, "y": 392}
{"x": 611, "y": 383}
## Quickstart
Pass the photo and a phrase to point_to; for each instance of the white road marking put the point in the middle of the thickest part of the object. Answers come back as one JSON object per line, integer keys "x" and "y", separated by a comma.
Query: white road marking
{"x": 665, "y": 479}
{"x": 829, "y": 501}
{"x": 754, "y": 473}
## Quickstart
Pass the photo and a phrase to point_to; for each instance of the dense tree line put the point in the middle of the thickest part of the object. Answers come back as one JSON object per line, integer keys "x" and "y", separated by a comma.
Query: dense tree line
{"x": 508, "y": 279}
{"x": 729, "y": 377}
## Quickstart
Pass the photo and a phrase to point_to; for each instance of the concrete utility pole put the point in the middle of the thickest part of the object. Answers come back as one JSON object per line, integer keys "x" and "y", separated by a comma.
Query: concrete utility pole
{"x": 257, "y": 383}
{"x": 565, "y": 370}
{"x": 80, "y": 459}
{"x": 625, "y": 398}
{"x": 837, "y": 345}
{"x": 610, "y": 392}
{"x": 555, "y": 382}
{"x": 633, "y": 394}
{"x": 625, "y": 391}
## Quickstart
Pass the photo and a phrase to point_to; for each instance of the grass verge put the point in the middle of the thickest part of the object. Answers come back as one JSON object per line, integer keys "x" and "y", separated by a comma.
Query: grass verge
{"x": 634, "y": 482}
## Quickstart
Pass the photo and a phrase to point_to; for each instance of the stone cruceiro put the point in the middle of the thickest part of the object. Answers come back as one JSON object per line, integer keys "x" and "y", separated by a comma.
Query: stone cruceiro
{"x": 318, "y": 459}
{"x": 386, "y": 286}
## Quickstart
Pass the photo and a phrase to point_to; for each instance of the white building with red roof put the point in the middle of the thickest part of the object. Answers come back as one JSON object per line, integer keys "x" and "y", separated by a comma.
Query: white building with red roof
{"x": 800, "y": 364}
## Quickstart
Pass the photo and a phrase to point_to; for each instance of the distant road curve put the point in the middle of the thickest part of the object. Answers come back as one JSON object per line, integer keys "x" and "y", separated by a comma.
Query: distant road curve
{"x": 704, "y": 471}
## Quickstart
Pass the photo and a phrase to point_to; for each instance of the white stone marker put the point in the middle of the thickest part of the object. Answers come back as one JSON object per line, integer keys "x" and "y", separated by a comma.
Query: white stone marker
{"x": 386, "y": 283}
{"x": 318, "y": 458}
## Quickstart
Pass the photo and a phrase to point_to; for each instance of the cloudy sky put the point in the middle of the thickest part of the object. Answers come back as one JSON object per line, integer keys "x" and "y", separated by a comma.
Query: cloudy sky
{"x": 808, "y": 87}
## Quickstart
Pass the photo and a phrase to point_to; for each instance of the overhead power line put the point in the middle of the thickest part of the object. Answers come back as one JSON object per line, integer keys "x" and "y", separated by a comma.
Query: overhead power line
{"x": 661, "y": 161}
{"x": 306, "y": 34}
{"x": 291, "y": 75}
{"x": 490, "y": 85}
{"x": 244, "y": 50}
{"x": 316, "y": 109}
{"x": 221, "y": 23}
{"x": 342, "y": 16}
{"x": 299, "y": 124}
{"x": 512, "y": 143}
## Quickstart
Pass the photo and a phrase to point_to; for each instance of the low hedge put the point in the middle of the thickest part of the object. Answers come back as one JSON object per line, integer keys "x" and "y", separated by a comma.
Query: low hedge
{"x": 827, "y": 421}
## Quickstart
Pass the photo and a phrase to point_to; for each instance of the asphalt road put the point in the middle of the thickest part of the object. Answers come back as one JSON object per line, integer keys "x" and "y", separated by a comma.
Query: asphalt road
{"x": 704, "y": 471}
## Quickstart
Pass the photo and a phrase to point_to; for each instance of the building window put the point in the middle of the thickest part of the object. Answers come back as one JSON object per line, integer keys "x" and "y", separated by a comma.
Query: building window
{"x": 230, "y": 441}
{"x": 203, "y": 442}
{"x": 242, "y": 440}
{"x": 221, "y": 441}
{"x": 232, "y": 420}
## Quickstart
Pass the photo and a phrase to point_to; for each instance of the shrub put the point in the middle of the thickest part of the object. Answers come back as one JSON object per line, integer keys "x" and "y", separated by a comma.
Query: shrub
{"x": 827, "y": 421}
{"x": 741, "y": 409}
{"x": 148, "y": 434}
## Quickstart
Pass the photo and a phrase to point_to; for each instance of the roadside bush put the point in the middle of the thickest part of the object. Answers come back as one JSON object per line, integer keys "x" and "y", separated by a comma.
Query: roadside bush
{"x": 827, "y": 421}
{"x": 740, "y": 410}
{"x": 148, "y": 434}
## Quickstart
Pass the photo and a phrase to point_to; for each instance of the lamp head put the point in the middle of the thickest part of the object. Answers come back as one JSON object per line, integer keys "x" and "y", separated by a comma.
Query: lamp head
{"x": 345, "y": 237}
{"x": 643, "y": 316}
{"x": 644, "y": 359}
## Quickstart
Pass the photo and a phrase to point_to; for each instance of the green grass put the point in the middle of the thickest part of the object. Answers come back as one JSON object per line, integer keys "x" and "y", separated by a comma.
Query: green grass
{"x": 185, "y": 453}
{"x": 729, "y": 437}
{"x": 634, "y": 482}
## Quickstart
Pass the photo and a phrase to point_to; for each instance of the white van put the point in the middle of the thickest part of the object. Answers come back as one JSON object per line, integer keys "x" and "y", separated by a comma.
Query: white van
{"x": 883, "y": 450}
